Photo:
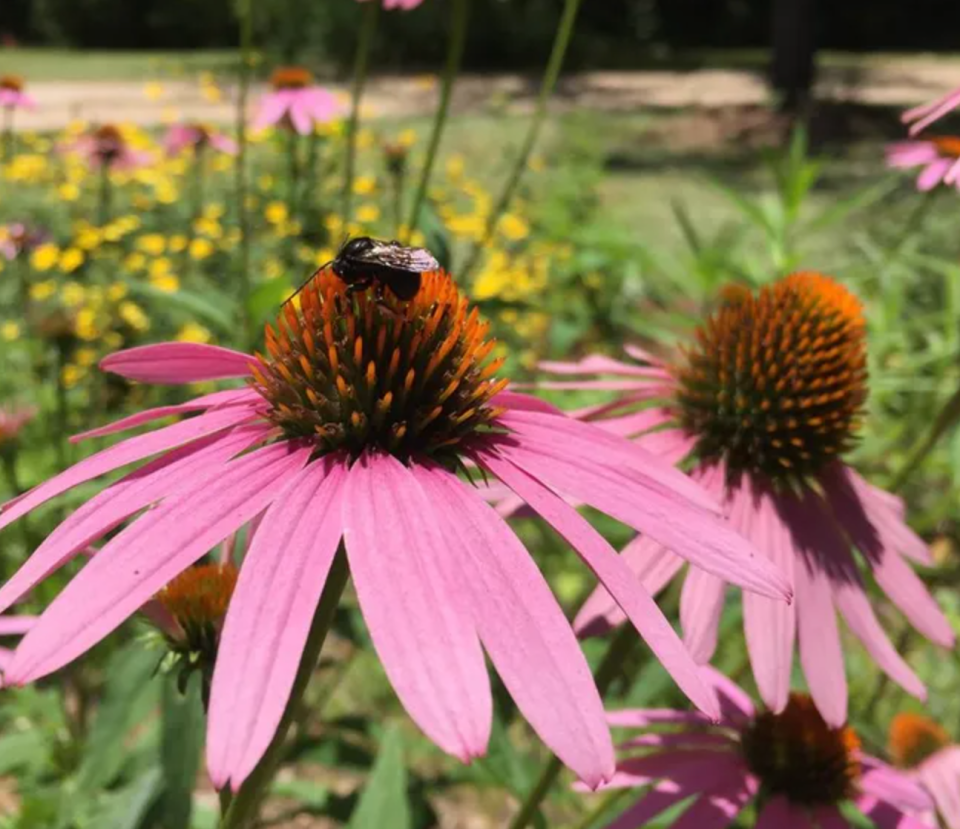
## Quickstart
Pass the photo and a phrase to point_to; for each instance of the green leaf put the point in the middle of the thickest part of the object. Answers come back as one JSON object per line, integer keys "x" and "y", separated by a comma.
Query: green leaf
{"x": 438, "y": 240}
{"x": 23, "y": 749}
{"x": 128, "y": 807}
{"x": 181, "y": 743}
{"x": 384, "y": 798}
{"x": 218, "y": 311}
{"x": 267, "y": 298}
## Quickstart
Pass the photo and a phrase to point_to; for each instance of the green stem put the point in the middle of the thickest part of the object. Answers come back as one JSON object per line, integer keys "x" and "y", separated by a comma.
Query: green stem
{"x": 944, "y": 421}
{"x": 609, "y": 669}
{"x": 459, "y": 15}
{"x": 63, "y": 413}
{"x": 199, "y": 172}
{"x": 241, "y": 183}
{"x": 226, "y": 798}
{"x": 103, "y": 206}
{"x": 293, "y": 170}
{"x": 368, "y": 28}
{"x": 398, "y": 204}
{"x": 244, "y": 809}
{"x": 8, "y": 134}
{"x": 552, "y": 73}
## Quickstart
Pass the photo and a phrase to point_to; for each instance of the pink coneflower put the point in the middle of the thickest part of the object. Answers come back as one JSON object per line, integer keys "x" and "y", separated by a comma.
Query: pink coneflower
{"x": 12, "y": 95}
{"x": 17, "y": 238}
{"x": 921, "y": 117}
{"x": 766, "y": 401}
{"x": 799, "y": 768}
{"x": 405, "y": 5}
{"x": 922, "y": 748}
{"x": 197, "y": 138}
{"x": 350, "y": 431}
{"x": 938, "y": 155}
{"x": 296, "y": 102}
{"x": 12, "y": 421}
{"x": 105, "y": 146}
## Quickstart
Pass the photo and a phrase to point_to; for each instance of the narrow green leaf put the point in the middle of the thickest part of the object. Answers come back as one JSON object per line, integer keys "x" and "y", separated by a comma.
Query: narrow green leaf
{"x": 181, "y": 743}
{"x": 217, "y": 310}
{"x": 384, "y": 798}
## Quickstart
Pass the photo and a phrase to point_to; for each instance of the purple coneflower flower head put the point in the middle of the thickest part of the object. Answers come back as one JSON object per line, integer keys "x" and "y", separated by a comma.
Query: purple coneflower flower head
{"x": 350, "y": 431}
{"x": 12, "y": 421}
{"x": 17, "y": 238}
{"x": 924, "y": 750}
{"x": 296, "y": 102}
{"x": 12, "y": 95}
{"x": 921, "y": 117}
{"x": 197, "y": 138}
{"x": 938, "y": 155}
{"x": 105, "y": 146}
{"x": 798, "y": 768}
{"x": 765, "y": 401}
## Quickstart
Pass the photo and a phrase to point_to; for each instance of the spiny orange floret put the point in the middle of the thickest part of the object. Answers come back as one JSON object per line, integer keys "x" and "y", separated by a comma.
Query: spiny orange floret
{"x": 352, "y": 371}
{"x": 797, "y": 755}
{"x": 947, "y": 145}
{"x": 109, "y": 142}
{"x": 913, "y": 738}
{"x": 12, "y": 82}
{"x": 776, "y": 381}
{"x": 199, "y": 595}
{"x": 291, "y": 77}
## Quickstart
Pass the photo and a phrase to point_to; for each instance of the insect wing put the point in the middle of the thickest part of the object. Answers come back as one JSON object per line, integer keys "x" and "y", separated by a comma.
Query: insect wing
{"x": 400, "y": 257}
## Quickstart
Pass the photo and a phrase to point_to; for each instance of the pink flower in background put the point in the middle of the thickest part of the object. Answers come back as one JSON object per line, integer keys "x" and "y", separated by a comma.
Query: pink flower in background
{"x": 348, "y": 434}
{"x": 106, "y": 146}
{"x": 196, "y": 138}
{"x": 12, "y": 95}
{"x": 406, "y": 5}
{"x": 939, "y": 156}
{"x": 799, "y": 769}
{"x": 765, "y": 402}
{"x": 296, "y": 102}
{"x": 921, "y": 117}
{"x": 17, "y": 238}
{"x": 12, "y": 421}
{"x": 925, "y": 751}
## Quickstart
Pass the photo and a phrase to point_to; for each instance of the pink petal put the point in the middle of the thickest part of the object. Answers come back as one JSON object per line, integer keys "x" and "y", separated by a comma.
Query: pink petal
{"x": 133, "y": 449}
{"x": 611, "y": 570}
{"x": 688, "y": 740}
{"x": 426, "y": 638}
{"x": 602, "y": 480}
{"x": 599, "y": 364}
{"x": 886, "y": 816}
{"x": 924, "y": 115}
{"x": 933, "y": 174}
{"x": 187, "y": 467}
{"x": 660, "y": 798}
{"x": 642, "y": 355}
{"x": 273, "y": 106}
{"x": 911, "y": 154}
{"x": 636, "y": 422}
{"x": 16, "y": 625}
{"x": 593, "y": 385}
{"x": 701, "y": 603}
{"x": 523, "y": 402}
{"x": 718, "y": 807}
{"x": 147, "y": 555}
{"x": 819, "y": 639}
{"x": 669, "y": 445}
{"x": 894, "y": 786}
{"x": 735, "y": 703}
{"x": 269, "y": 618}
{"x": 178, "y": 363}
{"x": 940, "y": 773}
{"x": 653, "y": 565}
{"x": 695, "y": 771}
{"x": 523, "y": 629}
{"x": 208, "y": 401}
{"x": 300, "y": 115}
{"x": 645, "y": 717}
{"x": 779, "y": 814}
{"x": 769, "y": 625}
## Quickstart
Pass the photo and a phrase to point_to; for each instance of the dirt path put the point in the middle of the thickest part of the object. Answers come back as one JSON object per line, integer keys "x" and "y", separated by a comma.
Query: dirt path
{"x": 891, "y": 83}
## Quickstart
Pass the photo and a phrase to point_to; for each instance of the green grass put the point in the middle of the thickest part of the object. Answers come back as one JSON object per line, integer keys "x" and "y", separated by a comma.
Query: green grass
{"x": 65, "y": 64}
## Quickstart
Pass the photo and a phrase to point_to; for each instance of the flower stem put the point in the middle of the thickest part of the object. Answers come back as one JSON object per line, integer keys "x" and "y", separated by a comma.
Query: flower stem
{"x": 243, "y": 211}
{"x": 552, "y": 73}
{"x": 245, "y": 805}
{"x": 8, "y": 134}
{"x": 293, "y": 170}
{"x": 609, "y": 669}
{"x": 103, "y": 206}
{"x": 368, "y": 28}
{"x": 459, "y": 15}
{"x": 944, "y": 421}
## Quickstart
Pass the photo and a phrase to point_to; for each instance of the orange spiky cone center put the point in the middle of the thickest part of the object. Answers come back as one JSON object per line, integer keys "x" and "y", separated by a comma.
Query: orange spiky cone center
{"x": 351, "y": 371}
{"x": 291, "y": 77}
{"x": 797, "y": 755}
{"x": 947, "y": 145}
{"x": 913, "y": 738}
{"x": 776, "y": 381}
{"x": 13, "y": 83}
{"x": 199, "y": 596}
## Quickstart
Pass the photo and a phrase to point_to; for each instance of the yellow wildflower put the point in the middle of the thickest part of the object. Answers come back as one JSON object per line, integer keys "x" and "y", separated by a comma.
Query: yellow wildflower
{"x": 9, "y": 331}
{"x": 134, "y": 316}
{"x": 135, "y": 261}
{"x": 201, "y": 249}
{"x": 364, "y": 185}
{"x": 178, "y": 243}
{"x": 193, "y": 333}
{"x": 45, "y": 257}
{"x": 152, "y": 243}
{"x": 368, "y": 213}
{"x": 73, "y": 294}
{"x": 276, "y": 212}
{"x": 159, "y": 267}
{"x": 153, "y": 91}
{"x": 167, "y": 282}
{"x": 86, "y": 325}
{"x": 43, "y": 290}
{"x": 272, "y": 269}
{"x": 85, "y": 357}
{"x": 89, "y": 238}
{"x": 68, "y": 192}
{"x": 116, "y": 292}
{"x": 514, "y": 227}
{"x": 71, "y": 375}
{"x": 71, "y": 259}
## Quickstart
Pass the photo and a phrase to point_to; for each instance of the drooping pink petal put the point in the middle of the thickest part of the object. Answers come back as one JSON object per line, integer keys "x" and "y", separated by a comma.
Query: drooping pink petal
{"x": 269, "y": 618}
{"x": 523, "y": 402}
{"x": 273, "y": 106}
{"x": 16, "y": 625}
{"x": 524, "y": 630}
{"x": 599, "y": 364}
{"x": 128, "y": 451}
{"x": 769, "y": 625}
{"x": 300, "y": 115}
{"x": 922, "y": 116}
{"x": 735, "y": 703}
{"x": 661, "y": 797}
{"x": 778, "y": 813}
{"x": 718, "y": 806}
{"x": 690, "y": 740}
{"x": 635, "y": 422}
{"x": 645, "y": 717}
{"x": 688, "y": 531}
{"x": 593, "y": 385}
{"x": 611, "y": 570}
{"x": 148, "y": 555}
{"x": 189, "y": 467}
{"x": 653, "y": 565}
{"x": 933, "y": 174}
{"x": 701, "y": 603}
{"x": 894, "y": 786}
{"x": 693, "y": 770}
{"x": 886, "y": 816}
{"x": 669, "y": 445}
{"x": 178, "y": 363}
{"x": 642, "y": 355}
{"x": 424, "y": 635}
{"x": 940, "y": 773}
{"x": 199, "y": 404}
{"x": 904, "y": 154}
